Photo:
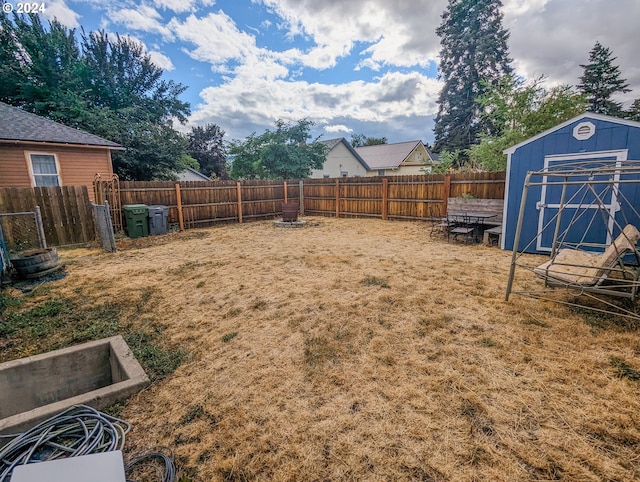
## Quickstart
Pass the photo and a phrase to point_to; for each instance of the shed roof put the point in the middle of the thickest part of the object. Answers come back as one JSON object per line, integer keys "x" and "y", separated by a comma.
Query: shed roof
{"x": 387, "y": 156}
{"x": 21, "y": 126}
{"x": 332, "y": 143}
{"x": 586, "y": 115}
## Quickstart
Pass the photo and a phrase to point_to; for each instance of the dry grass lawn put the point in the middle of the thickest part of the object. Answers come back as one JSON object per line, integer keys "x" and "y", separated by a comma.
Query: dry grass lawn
{"x": 364, "y": 350}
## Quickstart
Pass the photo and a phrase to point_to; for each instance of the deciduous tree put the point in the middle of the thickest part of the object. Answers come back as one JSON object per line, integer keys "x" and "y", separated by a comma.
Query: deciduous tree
{"x": 283, "y": 153}
{"x": 519, "y": 110}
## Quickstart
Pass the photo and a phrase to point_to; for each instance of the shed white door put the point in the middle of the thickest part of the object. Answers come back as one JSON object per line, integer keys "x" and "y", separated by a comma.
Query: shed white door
{"x": 586, "y": 214}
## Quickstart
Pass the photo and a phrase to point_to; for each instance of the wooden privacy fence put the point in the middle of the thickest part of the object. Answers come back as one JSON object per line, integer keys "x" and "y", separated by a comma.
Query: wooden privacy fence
{"x": 200, "y": 203}
{"x": 66, "y": 213}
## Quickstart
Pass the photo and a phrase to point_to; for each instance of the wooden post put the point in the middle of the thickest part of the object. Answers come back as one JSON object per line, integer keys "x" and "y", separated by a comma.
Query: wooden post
{"x": 40, "y": 228}
{"x": 337, "y": 197}
{"x": 301, "y": 198}
{"x": 284, "y": 187}
{"x": 385, "y": 198}
{"x": 239, "y": 190}
{"x": 179, "y": 203}
{"x": 446, "y": 194}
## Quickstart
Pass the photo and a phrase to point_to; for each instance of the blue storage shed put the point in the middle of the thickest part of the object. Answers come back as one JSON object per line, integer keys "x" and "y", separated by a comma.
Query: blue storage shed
{"x": 588, "y": 138}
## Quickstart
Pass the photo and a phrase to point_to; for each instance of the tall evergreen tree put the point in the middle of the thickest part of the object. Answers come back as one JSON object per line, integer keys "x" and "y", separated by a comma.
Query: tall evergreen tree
{"x": 474, "y": 49}
{"x": 602, "y": 79}
{"x": 634, "y": 111}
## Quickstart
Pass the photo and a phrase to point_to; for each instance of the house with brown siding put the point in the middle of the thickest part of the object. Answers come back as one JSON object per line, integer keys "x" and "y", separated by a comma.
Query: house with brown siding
{"x": 35, "y": 152}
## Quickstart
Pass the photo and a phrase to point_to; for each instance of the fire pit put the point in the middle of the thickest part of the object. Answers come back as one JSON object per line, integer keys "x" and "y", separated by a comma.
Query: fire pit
{"x": 290, "y": 212}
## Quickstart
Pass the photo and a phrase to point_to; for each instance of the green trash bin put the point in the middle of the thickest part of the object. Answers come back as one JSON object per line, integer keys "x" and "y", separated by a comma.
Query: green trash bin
{"x": 135, "y": 216}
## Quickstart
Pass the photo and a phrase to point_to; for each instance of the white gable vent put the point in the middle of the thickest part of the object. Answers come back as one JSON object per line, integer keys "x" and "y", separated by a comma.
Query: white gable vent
{"x": 584, "y": 131}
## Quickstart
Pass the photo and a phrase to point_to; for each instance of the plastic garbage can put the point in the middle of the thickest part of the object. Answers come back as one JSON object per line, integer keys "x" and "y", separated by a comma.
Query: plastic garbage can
{"x": 135, "y": 216}
{"x": 158, "y": 219}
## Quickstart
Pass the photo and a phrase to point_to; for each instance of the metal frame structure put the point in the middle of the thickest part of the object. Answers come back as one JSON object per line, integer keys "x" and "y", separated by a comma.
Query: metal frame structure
{"x": 594, "y": 197}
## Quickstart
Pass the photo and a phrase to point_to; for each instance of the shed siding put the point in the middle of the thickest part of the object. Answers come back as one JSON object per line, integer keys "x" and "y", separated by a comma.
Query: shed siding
{"x": 609, "y": 136}
{"x": 78, "y": 166}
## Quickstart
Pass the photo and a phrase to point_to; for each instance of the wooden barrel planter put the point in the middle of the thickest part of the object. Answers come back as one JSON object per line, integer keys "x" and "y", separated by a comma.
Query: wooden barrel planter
{"x": 290, "y": 212}
{"x": 36, "y": 263}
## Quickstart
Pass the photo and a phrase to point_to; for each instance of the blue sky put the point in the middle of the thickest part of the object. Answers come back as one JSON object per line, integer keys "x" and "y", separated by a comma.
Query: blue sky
{"x": 351, "y": 66}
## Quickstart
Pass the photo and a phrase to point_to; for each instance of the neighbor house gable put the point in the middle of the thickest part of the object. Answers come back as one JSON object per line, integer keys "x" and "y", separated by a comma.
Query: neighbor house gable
{"x": 342, "y": 160}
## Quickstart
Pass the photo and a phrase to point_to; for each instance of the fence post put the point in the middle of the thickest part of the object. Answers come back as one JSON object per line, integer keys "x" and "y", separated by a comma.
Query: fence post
{"x": 179, "y": 202}
{"x": 385, "y": 198}
{"x": 337, "y": 197}
{"x": 40, "y": 228}
{"x": 301, "y": 189}
{"x": 239, "y": 190}
{"x": 446, "y": 194}
{"x": 284, "y": 188}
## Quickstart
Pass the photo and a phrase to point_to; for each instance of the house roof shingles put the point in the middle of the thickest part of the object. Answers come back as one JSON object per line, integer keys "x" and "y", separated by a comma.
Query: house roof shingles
{"x": 386, "y": 156}
{"x": 20, "y": 126}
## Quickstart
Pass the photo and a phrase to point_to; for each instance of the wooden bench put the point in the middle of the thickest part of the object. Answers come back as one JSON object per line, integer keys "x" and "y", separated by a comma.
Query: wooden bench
{"x": 485, "y": 206}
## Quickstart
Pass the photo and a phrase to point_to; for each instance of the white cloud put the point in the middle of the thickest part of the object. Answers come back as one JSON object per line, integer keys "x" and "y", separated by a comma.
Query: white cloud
{"x": 337, "y": 128}
{"x": 59, "y": 10}
{"x": 181, "y": 6}
{"x": 398, "y": 33}
{"x": 161, "y": 60}
{"x": 140, "y": 19}
{"x": 257, "y": 102}
{"x": 216, "y": 37}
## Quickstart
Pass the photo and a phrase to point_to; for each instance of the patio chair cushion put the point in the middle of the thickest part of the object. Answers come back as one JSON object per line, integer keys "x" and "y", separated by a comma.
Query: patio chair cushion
{"x": 587, "y": 268}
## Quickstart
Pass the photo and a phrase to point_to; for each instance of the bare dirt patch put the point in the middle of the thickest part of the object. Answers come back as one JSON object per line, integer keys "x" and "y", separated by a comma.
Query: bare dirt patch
{"x": 364, "y": 350}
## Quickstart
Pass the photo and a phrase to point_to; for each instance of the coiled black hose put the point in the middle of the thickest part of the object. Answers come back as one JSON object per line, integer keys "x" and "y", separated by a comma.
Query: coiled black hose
{"x": 152, "y": 459}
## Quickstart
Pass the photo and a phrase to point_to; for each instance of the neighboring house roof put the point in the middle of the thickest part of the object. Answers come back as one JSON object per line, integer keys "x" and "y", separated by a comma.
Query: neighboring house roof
{"x": 387, "y": 156}
{"x": 190, "y": 174}
{"x": 434, "y": 157}
{"x": 332, "y": 143}
{"x": 586, "y": 115}
{"x": 17, "y": 125}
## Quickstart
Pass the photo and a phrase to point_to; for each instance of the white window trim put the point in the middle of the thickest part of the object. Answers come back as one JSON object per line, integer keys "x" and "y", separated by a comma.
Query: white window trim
{"x": 30, "y": 166}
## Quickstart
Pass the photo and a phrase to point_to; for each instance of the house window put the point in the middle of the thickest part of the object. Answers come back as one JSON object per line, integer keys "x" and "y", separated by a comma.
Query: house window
{"x": 381, "y": 172}
{"x": 344, "y": 173}
{"x": 326, "y": 176}
{"x": 44, "y": 169}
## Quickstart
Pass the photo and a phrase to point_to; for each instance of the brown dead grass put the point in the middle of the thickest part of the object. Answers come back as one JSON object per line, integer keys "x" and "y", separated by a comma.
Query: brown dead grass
{"x": 364, "y": 350}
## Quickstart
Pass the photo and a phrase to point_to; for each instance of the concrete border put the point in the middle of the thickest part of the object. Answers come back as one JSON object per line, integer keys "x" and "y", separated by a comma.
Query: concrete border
{"x": 120, "y": 377}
